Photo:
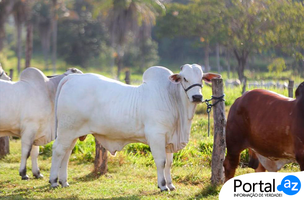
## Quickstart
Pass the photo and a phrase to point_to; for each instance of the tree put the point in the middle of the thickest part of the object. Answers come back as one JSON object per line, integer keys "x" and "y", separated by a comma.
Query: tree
{"x": 6, "y": 7}
{"x": 248, "y": 22}
{"x": 80, "y": 36}
{"x": 54, "y": 34}
{"x": 19, "y": 13}
{"x": 125, "y": 17}
{"x": 43, "y": 20}
{"x": 289, "y": 29}
{"x": 29, "y": 33}
{"x": 201, "y": 19}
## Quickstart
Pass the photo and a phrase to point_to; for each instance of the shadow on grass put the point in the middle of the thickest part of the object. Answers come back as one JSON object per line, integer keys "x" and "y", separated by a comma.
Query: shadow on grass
{"x": 89, "y": 177}
{"x": 24, "y": 192}
{"x": 209, "y": 190}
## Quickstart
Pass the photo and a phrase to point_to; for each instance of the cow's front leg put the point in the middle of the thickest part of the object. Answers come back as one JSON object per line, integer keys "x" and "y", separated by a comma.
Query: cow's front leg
{"x": 34, "y": 157}
{"x": 63, "y": 170}
{"x": 59, "y": 151}
{"x": 26, "y": 146}
{"x": 158, "y": 149}
{"x": 168, "y": 171}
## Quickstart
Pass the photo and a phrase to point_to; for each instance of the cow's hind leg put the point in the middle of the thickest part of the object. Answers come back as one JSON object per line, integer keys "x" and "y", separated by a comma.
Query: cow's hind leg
{"x": 60, "y": 149}
{"x": 63, "y": 171}
{"x": 34, "y": 157}
{"x": 168, "y": 171}
{"x": 26, "y": 144}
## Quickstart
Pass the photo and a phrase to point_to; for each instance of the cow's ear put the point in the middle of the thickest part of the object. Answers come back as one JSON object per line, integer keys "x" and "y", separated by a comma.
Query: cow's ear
{"x": 175, "y": 78}
{"x": 208, "y": 76}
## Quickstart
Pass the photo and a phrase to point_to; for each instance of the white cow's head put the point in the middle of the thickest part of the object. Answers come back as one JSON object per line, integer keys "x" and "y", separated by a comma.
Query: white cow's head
{"x": 73, "y": 71}
{"x": 190, "y": 77}
{"x": 3, "y": 75}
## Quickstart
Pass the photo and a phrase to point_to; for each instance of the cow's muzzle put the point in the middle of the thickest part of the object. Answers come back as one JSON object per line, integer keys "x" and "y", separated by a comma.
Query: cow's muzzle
{"x": 197, "y": 98}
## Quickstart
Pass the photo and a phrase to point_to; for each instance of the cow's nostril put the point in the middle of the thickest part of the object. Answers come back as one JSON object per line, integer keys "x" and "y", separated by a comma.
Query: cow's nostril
{"x": 197, "y": 98}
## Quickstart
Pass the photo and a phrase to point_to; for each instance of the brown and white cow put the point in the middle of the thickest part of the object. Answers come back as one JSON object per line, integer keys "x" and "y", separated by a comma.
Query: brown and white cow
{"x": 268, "y": 123}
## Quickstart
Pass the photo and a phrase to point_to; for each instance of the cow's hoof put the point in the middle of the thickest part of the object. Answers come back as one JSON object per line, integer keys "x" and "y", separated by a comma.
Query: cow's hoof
{"x": 164, "y": 188}
{"x": 38, "y": 176}
{"x": 25, "y": 177}
{"x": 171, "y": 187}
{"x": 64, "y": 184}
{"x": 54, "y": 185}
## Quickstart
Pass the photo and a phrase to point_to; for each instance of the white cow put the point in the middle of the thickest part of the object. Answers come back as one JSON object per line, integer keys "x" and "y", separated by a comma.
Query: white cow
{"x": 27, "y": 111}
{"x": 159, "y": 113}
{"x": 3, "y": 75}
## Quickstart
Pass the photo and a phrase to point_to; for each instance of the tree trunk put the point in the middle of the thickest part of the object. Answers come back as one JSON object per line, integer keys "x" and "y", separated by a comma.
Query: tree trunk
{"x": 54, "y": 41}
{"x": 19, "y": 45}
{"x": 241, "y": 68}
{"x": 29, "y": 44}
{"x": 207, "y": 67}
{"x": 4, "y": 146}
{"x": 218, "y": 57}
{"x": 242, "y": 60}
{"x": 228, "y": 63}
{"x": 101, "y": 159}
{"x": 6, "y": 7}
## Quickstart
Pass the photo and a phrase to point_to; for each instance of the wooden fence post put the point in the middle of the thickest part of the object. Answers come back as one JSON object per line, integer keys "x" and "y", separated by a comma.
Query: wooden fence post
{"x": 11, "y": 74}
{"x": 290, "y": 88}
{"x": 4, "y": 146}
{"x": 219, "y": 144}
{"x": 101, "y": 159}
{"x": 128, "y": 79}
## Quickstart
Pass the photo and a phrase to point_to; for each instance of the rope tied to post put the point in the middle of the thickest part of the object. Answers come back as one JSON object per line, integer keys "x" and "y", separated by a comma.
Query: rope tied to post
{"x": 210, "y": 105}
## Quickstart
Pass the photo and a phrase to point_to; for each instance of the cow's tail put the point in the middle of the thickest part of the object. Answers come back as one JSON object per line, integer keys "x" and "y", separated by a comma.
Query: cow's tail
{"x": 60, "y": 85}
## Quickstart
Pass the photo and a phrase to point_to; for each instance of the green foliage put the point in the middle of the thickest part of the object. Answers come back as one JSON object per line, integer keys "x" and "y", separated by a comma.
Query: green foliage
{"x": 138, "y": 149}
{"x": 141, "y": 55}
{"x": 277, "y": 66}
{"x": 83, "y": 39}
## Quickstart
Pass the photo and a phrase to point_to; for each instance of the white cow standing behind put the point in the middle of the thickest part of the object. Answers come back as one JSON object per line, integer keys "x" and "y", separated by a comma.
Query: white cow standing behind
{"x": 3, "y": 75}
{"x": 27, "y": 111}
{"x": 159, "y": 113}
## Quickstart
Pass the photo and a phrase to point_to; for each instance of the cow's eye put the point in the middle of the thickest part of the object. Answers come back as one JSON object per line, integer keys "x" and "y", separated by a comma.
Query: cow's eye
{"x": 185, "y": 79}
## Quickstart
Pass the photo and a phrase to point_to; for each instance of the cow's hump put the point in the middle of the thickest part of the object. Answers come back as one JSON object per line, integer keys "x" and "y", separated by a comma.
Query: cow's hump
{"x": 33, "y": 75}
{"x": 156, "y": 74}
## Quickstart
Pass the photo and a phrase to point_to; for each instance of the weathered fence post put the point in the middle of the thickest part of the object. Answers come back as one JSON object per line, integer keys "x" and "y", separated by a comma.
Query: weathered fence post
{"x": 11, "y": 74}
{"x": 101, "y": 159}
{"x": 4, "y": 146}
{"x": 244, "y": 85}
{"x": 290, "y": 88}
{"x": 219, "y": 144}
{"x": 128, "y": 79}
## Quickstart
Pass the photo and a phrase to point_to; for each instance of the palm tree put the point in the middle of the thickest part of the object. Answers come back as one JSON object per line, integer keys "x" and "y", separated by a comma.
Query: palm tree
{"x": 43, "y": 21}
{"x": 19, "y": 13}
{"x": 127, "y": 18}
{"x": 29, "y": 32}
{"x": 54, "y": 34}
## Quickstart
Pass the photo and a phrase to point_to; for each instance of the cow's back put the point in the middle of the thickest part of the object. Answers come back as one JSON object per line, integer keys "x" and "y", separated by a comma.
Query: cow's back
{"x": 262, "y": 120}
{"x": 108, "y": 106}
